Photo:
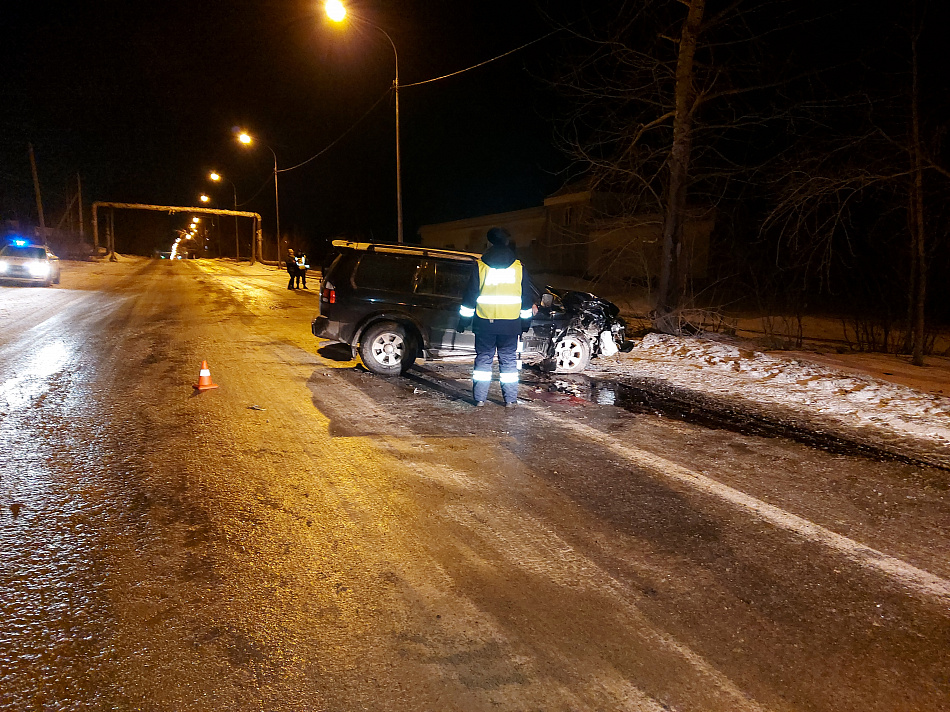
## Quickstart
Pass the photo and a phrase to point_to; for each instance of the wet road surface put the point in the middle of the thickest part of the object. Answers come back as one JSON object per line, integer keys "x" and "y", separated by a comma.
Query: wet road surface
{"x": 313, "y": 537}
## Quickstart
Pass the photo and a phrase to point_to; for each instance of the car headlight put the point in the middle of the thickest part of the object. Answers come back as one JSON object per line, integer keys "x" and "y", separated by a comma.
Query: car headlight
{"x": 38, "y": 269}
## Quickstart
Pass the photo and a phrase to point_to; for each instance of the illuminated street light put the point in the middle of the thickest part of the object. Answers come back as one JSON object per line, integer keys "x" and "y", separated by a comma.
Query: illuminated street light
{"x": 246, "y": 139}
{"x": 337, "y": 12}
{"x": 204, "y": 198}
{"x": 216, "y": 177}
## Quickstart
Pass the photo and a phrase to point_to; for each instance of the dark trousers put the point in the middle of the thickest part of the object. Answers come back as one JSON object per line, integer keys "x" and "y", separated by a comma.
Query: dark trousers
{"x": 293, "y": 277}
{"x": 485, "y": 347}
{"x": 302, "y": 277}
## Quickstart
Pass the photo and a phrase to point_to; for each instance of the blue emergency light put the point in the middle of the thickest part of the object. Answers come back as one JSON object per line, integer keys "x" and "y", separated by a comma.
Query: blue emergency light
{"x": 20, "y": 243}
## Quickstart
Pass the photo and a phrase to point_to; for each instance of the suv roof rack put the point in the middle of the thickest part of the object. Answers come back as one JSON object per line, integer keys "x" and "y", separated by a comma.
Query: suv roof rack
{"x": 412, "y": 249}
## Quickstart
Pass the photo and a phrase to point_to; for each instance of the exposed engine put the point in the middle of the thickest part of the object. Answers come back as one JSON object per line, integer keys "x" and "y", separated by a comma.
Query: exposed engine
{"x": 596, "y": 318}
{"x": 582, "y": 326}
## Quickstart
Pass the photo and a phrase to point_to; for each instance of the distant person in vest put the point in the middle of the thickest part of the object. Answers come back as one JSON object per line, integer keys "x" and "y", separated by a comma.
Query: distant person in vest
{"x": 290, "y": 262}
{"x": 497, "y": 305}
{"x": 302, "y": 268}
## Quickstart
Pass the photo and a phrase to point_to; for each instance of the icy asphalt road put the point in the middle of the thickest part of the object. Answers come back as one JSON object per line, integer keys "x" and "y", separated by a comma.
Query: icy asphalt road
{"x": 312, "y": 537}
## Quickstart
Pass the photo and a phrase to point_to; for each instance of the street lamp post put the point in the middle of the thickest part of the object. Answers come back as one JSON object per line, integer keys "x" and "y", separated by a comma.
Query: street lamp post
{"x": 215, "y": 176}
{"x": 246, "y": 139}
{"x": 337, "y": 12}
{"x": 399, "y": 237}
{"x": 190, "y": 233}
{"x": 205, "y": 198}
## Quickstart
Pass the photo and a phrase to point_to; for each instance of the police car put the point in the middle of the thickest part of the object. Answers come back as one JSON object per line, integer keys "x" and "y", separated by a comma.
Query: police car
{"x": 23, "y": 261}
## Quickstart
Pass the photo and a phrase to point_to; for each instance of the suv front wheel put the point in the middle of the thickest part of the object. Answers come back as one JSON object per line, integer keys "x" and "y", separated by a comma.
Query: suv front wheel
{"x": 387, "y": 349}
{"x": 571, "y": 354}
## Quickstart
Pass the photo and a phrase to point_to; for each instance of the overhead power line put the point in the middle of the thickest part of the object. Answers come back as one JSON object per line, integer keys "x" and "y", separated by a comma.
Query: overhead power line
{"x": 385, "y": 94}
{"x": 481, "y": 64}
{"x": 341, "y": 136}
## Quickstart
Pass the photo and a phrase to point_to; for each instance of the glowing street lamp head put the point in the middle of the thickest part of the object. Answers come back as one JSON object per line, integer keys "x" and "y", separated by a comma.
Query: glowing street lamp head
{"x": 335, "y": 10}
{"x": 204, "y": 198}
{"x": 214, "y": 175}
{"x": 244, "y": 138}
{"x": 196, "y": 219}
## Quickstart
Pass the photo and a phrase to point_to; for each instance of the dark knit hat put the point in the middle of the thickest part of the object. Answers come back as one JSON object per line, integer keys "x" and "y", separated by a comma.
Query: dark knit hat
{"x": 499, "y": 236}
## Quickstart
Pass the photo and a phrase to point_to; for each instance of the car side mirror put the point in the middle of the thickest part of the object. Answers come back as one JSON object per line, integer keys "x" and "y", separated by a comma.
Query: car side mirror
{"x": 547, "y": 300}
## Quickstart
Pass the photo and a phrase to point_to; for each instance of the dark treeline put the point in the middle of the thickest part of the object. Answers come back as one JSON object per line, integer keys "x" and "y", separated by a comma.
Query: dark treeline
{"x": 814, "y": 132}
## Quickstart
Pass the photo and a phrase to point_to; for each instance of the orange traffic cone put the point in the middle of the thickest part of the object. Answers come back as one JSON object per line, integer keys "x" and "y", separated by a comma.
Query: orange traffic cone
{"x": 204, "y": 378}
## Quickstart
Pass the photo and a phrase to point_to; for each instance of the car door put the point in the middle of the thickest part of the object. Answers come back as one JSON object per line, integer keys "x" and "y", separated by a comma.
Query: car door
{"x": 440, "y": 284}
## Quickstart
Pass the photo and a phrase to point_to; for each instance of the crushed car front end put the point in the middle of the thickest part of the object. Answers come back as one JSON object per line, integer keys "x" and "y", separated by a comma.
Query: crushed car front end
{"x": 572, "y": 327}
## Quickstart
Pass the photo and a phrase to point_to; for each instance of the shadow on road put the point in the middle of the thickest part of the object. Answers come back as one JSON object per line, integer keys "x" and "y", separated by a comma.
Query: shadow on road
{"x": 336, "y": 352}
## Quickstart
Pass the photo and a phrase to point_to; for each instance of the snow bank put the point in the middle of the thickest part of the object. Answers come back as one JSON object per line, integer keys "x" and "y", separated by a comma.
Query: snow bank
{"x": 730, "y": 371}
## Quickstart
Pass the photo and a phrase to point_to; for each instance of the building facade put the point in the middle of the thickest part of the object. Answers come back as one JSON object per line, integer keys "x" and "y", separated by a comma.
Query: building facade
{"x": 583, "y": 233}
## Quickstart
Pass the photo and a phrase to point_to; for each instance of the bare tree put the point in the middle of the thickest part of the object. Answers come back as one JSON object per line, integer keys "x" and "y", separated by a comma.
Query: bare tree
{"x": 673, "y": 264}
{"x": 883, "y": 162}
{"x": 673, "y": 103}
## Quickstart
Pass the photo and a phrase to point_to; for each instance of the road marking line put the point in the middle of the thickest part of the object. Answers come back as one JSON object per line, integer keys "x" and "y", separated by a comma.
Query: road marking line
{"x": 908, "y": 575}
{"x": 532, "y": 545}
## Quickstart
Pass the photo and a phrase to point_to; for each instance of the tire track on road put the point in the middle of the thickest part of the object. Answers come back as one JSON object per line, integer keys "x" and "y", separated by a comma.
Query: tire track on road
{"x": 916, "y": 580}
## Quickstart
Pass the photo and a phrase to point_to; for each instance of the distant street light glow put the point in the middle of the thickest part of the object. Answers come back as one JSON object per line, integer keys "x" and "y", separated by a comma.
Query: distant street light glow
{"x": 217, "y": 177}
{"x": 335, "y": 10}
{"x": 245, "y": 138}
{"x": 204, "y": 198}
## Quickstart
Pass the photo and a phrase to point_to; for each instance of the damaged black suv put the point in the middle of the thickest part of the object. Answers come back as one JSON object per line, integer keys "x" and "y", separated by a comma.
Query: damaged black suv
{"x": 393, "y": 304}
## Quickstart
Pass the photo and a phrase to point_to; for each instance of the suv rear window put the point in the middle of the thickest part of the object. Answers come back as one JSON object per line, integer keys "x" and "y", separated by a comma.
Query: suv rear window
{"x": 391, "y": 273}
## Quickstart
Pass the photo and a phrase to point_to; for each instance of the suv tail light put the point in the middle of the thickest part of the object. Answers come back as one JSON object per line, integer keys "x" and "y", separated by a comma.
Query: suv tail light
{"x": 329, "y": 293}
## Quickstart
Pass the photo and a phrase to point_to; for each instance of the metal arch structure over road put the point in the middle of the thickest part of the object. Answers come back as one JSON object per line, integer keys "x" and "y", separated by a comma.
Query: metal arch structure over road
{"x": 255, "y": 243}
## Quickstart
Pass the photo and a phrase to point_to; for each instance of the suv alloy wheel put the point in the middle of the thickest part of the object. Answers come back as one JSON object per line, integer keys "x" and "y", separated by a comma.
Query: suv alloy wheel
{"x": 386, "y": 349}
{"x": 571, "y": 354}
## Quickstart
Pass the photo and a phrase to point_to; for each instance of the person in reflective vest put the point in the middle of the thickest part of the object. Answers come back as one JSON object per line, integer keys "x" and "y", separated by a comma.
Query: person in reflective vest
{"x": 498, "y": 306}
{"x": 291, "y": 263}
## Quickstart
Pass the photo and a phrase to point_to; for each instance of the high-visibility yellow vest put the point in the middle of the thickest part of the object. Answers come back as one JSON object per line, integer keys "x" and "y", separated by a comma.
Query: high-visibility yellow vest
{"x": 499, "y": 294}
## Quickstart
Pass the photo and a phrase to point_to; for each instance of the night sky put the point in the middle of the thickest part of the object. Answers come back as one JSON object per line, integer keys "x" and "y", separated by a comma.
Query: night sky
{"x": 140, "y": 99}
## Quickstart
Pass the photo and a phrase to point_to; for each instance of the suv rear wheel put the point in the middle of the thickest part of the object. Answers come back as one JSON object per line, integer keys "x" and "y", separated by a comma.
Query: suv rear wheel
{"x": 387, "y": 349}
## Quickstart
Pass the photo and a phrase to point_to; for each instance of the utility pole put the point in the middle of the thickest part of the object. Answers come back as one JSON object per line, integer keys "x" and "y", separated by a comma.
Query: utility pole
{"x": 68, "y": 214}
{"x": 36, "y": 187}
{"x": 112, "y": 257}
{"x": 79, "y": 189}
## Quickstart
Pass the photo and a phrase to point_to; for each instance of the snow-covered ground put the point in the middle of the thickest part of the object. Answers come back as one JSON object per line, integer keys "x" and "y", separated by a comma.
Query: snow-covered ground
{"x": 882, "y": 399}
